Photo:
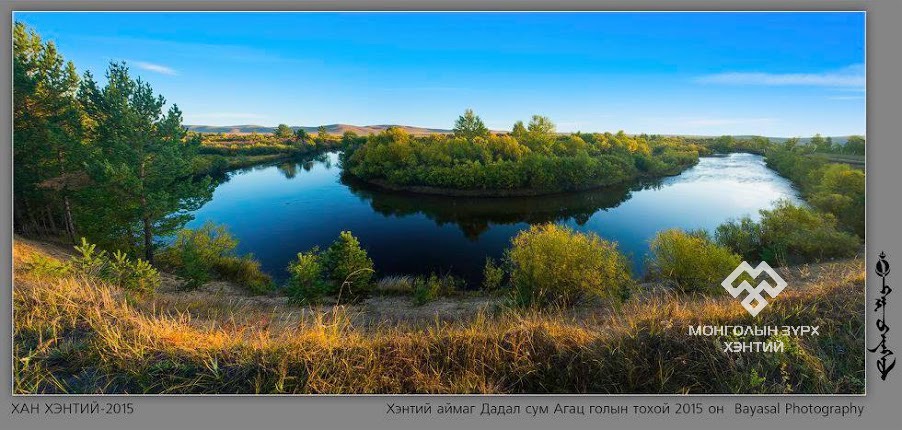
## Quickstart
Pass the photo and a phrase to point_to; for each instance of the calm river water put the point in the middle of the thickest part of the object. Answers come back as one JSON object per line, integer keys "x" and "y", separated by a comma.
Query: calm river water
{"x": 278, "y": 210}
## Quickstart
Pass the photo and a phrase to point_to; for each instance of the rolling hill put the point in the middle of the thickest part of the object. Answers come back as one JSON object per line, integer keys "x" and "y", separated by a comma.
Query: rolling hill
{"x": 364, "y": 130}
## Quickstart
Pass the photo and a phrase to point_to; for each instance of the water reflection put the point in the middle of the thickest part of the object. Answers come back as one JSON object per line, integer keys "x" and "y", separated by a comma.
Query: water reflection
{"x": 475, "y": 215}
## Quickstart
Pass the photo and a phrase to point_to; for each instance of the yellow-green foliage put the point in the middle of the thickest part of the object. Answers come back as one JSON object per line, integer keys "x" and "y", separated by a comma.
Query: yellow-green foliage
{"x": 535, "y": 158}
{"x": 787, "y": 234}
{"x": 691, "y": 260}
{"x": 305, "y": 281}
{"x": 120, "y": 270}
{"x": 492, "y": 275}
{"x": 835, "y": 188}
{"x": 553, "y": 265}
{"x": 78, "y": 335}
{"x": 209, "y": 251}
{"x": 427, "y": 289}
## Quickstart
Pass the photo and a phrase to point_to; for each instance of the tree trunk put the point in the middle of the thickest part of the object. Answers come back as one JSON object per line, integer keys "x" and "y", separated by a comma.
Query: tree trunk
{"x": 50, "y": 218}
{"x": 70, "y": 224}
{"x": 148, "y": 240}
{"x": 148, "y": 225}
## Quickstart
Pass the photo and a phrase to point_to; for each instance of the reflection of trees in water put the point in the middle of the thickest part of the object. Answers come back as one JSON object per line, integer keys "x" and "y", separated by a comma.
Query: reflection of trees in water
{"x": 288, "y": 167}
{"x": 474, "y": 215}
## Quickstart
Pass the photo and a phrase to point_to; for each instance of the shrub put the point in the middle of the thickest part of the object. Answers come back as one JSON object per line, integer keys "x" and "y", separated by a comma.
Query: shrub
{"x": 787, "y": 234}
{"x": 743, "y": 236}
{"x": 492, "y": 275}
{"x": 691, "y": 261}
{"x": 431, "y": 288}
{"x": 305, "y": 281}
{"x": 42, "y": 265}
{"x": 553, "y": 265}
{"x": 199, "y": 255}
{"x": 348, "y": 267}
{"x": 244, "y": 270}
{"x": 133, "y": 275}
{"x": 89, "y": 261}
{"x": 191, "y": 266}
{"x": 211, "y": 242}
{"x": 136, "y": 275}
{"x": 799, "y": 234}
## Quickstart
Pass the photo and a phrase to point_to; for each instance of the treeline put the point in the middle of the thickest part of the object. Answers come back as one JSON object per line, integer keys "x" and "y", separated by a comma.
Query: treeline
{"x": 283, "y": 140}
{"x": 107, "y": 162}
{"x": 836, "y": 189}
{"x": 532, "y": 156}
{"x": 854, "y": 145}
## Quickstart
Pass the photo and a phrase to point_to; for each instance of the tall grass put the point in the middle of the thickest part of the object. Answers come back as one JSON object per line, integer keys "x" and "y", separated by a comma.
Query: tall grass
{"x": 80, "y": 335}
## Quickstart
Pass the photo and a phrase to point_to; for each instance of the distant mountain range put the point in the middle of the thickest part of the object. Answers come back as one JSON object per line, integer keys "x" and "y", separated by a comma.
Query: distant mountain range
{"x": 419, "y": 131}
{"x": 331, "y": 129}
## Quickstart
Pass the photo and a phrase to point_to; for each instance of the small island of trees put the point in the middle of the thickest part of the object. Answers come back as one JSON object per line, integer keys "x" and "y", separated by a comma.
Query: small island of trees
{"x": 531, "y": 159}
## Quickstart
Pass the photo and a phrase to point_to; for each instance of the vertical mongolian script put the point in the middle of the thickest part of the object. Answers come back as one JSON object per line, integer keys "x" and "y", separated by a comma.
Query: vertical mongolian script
{"x": 885, "y": 360}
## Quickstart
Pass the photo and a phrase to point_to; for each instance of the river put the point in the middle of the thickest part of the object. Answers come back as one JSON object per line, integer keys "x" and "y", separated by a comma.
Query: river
{"x": 278, "y": 210}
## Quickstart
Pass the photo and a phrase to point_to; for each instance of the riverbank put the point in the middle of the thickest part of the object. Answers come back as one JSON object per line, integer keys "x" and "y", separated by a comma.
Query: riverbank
{"x": 76, "y": 335}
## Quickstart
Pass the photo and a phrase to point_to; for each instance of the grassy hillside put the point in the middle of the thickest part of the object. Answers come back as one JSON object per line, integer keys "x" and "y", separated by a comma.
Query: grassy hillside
{"x": 80, "y": 335}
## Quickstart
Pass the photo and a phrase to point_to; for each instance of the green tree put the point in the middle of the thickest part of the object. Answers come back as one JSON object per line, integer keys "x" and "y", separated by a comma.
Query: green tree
{"x": 47, "y": 135}
{"x": 540, "y": 134}
{"x": 470, "y": 125}
{"x": 855, "y": 145}
{"x": 143, "y": 184}
{"x": 349, "y": 138}
{"x": 283, "y": 131}
{"x": 348, "y": 266}
{"x": 301, "y": 135}
{"x": 322, "y": 134}
{"x": 820, "y": 144}
{"x": 519, "y": 131}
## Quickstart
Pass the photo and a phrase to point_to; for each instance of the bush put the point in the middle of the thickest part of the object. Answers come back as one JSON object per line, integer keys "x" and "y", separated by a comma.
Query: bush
{"x": 244, "y": 270}
{"x": 136, "y": 275}
{"x": 199, "y": 255}
{"x": 799, "y": 234}
{"x": 492, "y": 275}
{"x": 191, "y": 266}
{"x": 348, "y": 267}
{"x": 133, "y": 275}
{"x": 42, "y": 265}
{"x": 743, "y": 236}
{"x": 787, "y": 234}
{"x": 691, "y": 261}
{"x": 305, "y": 281}
{"x": 431, "y": 288}
{"x": 553, "y": 265}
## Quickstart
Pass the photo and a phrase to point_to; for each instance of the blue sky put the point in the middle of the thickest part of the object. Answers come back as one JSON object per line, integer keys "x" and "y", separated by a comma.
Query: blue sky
{"x": 774, "y": 74}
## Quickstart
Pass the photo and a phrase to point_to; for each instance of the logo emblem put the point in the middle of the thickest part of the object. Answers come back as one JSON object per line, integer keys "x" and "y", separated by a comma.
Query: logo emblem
{"x": 754, "y": 292}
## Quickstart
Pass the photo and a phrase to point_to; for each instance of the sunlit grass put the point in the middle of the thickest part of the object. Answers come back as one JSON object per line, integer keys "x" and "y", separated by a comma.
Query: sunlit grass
{"x": 78, "y": 335}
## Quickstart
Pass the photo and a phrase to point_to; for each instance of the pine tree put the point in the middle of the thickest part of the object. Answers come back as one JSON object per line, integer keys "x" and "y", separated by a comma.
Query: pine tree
{"x": 143, "y": 184}
{"x": 470, "y": 125}
{"x": 47, "y": 139}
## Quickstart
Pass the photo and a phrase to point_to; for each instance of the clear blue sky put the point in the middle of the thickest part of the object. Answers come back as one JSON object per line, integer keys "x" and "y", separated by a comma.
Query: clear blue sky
{"x": 775, "y": 74}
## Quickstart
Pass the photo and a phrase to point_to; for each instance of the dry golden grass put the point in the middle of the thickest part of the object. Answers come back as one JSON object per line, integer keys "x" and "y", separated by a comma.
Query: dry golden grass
{"x": 77, "y": 335}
